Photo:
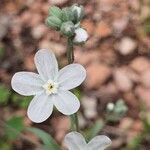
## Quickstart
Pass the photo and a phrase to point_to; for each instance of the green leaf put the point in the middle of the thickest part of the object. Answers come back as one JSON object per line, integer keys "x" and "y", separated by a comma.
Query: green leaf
{"x": 135, "y": 143}
{"x": 13, "y": 127}
{"x": 4, "y": 145}
{"x": 21, "y": 101}
{"x": 93, "y": 130}
{"x": 77, "y": 93}
{"x": 146, "y": 125}
{"x": 49, "y": 142}
{"x": 4, "y": 94}
{"x": 146, "y": 26}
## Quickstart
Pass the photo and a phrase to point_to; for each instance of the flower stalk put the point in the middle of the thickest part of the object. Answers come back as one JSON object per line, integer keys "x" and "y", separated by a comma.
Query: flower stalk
{"x": 74, "y": 122}
{"x": 67, "y": 22}
{"x": 70, "y": 52}
{"x": 70, "y": 57}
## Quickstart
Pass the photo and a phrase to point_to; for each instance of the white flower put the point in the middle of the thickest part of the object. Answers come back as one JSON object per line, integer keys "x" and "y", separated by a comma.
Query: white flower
{"x": 50, "y": 86}
{"x": 80, "y": 35}
{"x": 75, "y": 141}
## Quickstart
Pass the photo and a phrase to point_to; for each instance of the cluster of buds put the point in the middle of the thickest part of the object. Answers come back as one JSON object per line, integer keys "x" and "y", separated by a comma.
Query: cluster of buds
{"x": 67, "y": 21}
{"x": 116, "y": 111}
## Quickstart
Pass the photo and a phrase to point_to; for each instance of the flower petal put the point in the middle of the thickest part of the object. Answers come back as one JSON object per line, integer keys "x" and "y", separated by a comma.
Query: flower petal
{"x": 66, "y": 102}
{"x": 26, "y": 83}
{"x": 99, "y": 143}
{"x": 46, "y": 64}
{"x": 71, "y": 76}
{"x": 40, "y": 108}
{"x": 75, "y": 141}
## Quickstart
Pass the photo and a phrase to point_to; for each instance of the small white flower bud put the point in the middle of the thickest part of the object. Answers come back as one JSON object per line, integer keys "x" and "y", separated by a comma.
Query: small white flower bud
{"x": 81, "y": 35}
{"x": 110, "y": 106}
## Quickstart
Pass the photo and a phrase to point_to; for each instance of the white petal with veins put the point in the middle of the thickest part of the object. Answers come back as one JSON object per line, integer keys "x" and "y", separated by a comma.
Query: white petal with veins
{"x": 99, "y": 142}
{"x": 46, "y": 64}
{"x": 71, "y": 76}
{"x": 66, "y": 102}
{"x": 75, "y": 141}
{"x": 40, "y": 108}
{"x": 27, "y": 83}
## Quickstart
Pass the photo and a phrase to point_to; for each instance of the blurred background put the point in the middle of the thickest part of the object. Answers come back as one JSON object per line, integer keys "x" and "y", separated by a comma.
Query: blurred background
{"x": 115, "y": 97}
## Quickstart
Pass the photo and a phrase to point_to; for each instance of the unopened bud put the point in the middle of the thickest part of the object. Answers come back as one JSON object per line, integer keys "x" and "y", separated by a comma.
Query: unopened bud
{"x": 67, "y": 28}
{"x": 55, "y": 11}
{"x": 67, "y": 14}
{"x": 81, "y": 35}
{"x": 54, "y": 22}
{"x": 78, "y": 12}
{"x": 120, "y": 107}
{"x": 110, "y": 106}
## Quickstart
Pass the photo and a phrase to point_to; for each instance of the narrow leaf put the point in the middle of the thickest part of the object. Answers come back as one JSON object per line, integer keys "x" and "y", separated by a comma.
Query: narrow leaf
{"x": 48, "y": 141}
{"x": 13, "y": 127}
{"x": 93, "y": 130}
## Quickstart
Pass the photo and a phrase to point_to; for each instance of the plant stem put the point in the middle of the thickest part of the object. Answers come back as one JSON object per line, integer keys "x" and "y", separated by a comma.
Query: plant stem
{"x": 74, "y": 122}
{"x": 70, "y": 53}
{"x": 70, "y": 56}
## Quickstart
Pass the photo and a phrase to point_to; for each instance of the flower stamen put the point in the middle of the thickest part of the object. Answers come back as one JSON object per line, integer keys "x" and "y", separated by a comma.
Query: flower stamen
{"x": 50, "y": 87}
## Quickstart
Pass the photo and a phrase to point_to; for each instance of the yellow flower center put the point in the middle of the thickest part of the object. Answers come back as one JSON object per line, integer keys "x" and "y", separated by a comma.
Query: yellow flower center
{"x": 50, "y": 87}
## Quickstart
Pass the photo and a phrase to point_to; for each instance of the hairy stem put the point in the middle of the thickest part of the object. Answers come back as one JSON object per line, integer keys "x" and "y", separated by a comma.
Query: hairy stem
{"x": 70, "y": 53}
{"x": 74, "y": 122}
{"x": 70, "y": 57}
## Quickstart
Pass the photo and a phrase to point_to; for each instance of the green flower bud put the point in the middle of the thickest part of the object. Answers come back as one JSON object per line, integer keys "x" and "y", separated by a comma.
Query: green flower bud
{"x": 78, "y": 12}
{"x": 68, "y": 28}
{"x": 54, "y": 22}
{"x": 121, "y": 107}
{"x": 67, "y": 14}
{"x": 55, "y": 11}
